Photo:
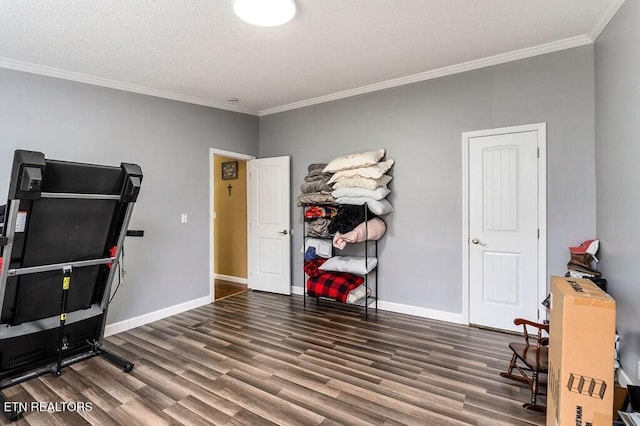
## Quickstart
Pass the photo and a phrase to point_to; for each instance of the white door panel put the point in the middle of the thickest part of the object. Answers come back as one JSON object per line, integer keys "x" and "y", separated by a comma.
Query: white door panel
{"x": 269, "y": 225}
{"x": 503, "y": 228}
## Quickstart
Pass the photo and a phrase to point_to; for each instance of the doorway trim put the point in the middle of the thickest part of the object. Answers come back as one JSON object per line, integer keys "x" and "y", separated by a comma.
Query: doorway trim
{"x": 541, "y": 129}
{"x": 236, "y": 155}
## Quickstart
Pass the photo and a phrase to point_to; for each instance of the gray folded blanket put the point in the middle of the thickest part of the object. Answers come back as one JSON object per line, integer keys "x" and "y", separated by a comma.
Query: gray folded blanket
{"x": 319, "y": 176}
{"x": 318, "y": 227}
{"x": 316, "y": 168}
{"x": 315, "y": 198}
{"x": 316, "y": 186}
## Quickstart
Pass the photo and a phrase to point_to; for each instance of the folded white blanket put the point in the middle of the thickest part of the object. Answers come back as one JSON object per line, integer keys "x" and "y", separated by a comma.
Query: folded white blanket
{"x": 374, "y": 194}
{"x": 377, "y": 207}
{"x": 323, "y": 247}
{"x": 356, "y": 294}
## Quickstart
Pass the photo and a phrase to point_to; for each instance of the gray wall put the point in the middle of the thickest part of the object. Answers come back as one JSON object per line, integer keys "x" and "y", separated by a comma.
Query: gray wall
{"x": 170, "y": 140}
{"x": 617, "y": 68}
{"x": 420, "y": 125}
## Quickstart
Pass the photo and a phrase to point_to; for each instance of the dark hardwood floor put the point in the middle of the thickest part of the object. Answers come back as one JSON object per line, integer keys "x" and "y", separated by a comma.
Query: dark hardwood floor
{"x": 224, "y": 289}
{"x": 258, "y": 359}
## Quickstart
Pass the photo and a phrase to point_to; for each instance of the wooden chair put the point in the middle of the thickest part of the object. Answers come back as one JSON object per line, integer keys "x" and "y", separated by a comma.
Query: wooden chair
{"x": 530, "y": 358}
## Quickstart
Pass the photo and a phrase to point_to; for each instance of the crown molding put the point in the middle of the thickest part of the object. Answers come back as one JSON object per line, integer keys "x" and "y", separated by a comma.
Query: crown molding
{"x": 440, "y": 72}
{"x": 613, "y": 8}
{"x": 118, "y": 85}
{"x": 542, "y": 49}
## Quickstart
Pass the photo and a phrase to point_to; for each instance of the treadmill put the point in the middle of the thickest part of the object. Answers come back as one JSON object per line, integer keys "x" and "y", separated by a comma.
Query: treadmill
{"x": 63, "y": 229}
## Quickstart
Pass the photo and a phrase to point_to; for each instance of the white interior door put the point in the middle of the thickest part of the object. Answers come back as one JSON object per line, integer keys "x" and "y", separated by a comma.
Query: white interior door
{"x": 504, "y": 263}
{"x": 269, "y": 249}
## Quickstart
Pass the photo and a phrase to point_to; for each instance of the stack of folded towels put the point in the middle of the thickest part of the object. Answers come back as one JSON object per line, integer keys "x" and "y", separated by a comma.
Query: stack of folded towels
{"x": 316, "y": 188}
{"x": 361, "y": 178}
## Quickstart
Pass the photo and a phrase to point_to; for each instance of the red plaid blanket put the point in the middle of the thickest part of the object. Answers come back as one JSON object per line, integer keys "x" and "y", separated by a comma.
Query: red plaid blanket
{"x": 312, "y": 267}
{"x": 335, "y": 285}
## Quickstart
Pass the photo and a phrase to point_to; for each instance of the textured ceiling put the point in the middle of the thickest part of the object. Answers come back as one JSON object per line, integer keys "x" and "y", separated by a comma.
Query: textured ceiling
{"x": 198, "y": 51}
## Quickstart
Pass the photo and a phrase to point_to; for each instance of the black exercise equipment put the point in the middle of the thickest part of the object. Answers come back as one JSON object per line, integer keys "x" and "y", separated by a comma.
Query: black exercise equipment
{"x": 64, "y": 225}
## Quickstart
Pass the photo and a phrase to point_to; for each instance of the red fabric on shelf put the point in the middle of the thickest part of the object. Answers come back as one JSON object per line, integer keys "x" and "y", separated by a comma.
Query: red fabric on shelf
{"x": 335, "y": 285}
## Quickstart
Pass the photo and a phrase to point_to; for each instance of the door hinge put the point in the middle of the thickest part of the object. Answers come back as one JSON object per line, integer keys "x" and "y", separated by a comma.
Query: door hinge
{"x": 538, "y": 233}
{"x": 538, "y": 152}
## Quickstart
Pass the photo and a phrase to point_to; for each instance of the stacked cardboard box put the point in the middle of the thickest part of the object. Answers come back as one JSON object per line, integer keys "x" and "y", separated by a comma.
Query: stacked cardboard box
{"x": 581, "y": 345}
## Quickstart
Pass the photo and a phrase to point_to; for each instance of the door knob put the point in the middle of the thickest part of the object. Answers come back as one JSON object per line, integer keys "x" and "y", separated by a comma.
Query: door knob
{"x": 285, "y": 232}
{"x": 477, "y": 241}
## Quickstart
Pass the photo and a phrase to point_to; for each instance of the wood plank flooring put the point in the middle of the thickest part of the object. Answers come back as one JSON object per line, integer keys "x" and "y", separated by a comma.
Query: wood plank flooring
{"x": 263, "y": 359}
{"x": 224, "y": 289}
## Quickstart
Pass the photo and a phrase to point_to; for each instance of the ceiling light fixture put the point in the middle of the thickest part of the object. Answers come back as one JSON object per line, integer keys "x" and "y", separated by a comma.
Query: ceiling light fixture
{"x": 265, "y": 13}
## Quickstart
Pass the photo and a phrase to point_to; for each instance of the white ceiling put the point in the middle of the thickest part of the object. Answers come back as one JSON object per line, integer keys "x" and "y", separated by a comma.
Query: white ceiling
{"x": 198, "y": 51}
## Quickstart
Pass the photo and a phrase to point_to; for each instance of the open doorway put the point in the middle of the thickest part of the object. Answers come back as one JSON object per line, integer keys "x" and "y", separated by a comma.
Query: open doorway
{"x": 228, "y": 223}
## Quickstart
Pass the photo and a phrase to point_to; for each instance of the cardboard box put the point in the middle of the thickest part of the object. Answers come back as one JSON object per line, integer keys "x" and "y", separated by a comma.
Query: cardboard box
{"x": 620, "y": 400}
{"x": 582, "y": 330}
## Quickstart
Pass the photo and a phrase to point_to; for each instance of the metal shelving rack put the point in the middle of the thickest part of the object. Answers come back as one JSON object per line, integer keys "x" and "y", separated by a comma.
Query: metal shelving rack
{"x": 368, "y": 298}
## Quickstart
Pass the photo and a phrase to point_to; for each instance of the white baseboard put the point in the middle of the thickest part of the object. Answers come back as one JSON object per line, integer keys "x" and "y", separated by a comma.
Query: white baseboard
{"x": 623, "y": 378}
{"x": 230, "y": 278}
{"x": 421, "y": 312}
{"x": 121, "y": 326}
{"x": 409, "y": 309}
{"x": 116, "y": 328}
